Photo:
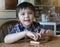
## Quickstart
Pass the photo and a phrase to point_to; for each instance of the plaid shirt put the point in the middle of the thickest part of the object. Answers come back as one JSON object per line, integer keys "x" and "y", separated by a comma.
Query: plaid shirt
{"x": 19, "y": 28}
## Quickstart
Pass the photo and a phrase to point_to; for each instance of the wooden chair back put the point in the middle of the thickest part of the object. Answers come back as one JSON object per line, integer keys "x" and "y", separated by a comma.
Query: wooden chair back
{"x": 5, "y": 28}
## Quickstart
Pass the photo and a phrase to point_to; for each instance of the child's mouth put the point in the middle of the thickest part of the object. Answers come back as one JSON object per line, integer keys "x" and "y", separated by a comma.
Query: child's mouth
{"x": 27, "y": 20}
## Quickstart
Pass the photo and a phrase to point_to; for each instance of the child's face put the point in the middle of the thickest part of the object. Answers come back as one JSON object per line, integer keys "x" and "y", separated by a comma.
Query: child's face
{"x": 26, "y": 17}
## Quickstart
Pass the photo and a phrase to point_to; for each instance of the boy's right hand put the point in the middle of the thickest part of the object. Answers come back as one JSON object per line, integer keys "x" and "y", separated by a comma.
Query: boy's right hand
{"x": 32, "y": 35}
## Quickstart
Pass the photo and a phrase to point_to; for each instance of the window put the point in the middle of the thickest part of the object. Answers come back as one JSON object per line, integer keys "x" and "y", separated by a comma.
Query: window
{"x": 10, "y": 4}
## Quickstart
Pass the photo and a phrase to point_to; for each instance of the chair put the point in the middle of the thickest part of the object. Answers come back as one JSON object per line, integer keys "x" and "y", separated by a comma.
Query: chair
{"x": 5, "y": 28}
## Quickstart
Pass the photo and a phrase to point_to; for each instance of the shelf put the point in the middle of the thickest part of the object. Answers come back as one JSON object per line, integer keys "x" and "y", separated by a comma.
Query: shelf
{"x": 42, "y": 5}
{"x": 7, "y": 10}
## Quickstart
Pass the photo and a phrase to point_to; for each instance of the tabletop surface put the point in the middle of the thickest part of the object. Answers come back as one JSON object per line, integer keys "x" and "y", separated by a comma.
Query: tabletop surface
{"x": 55, "y": 42}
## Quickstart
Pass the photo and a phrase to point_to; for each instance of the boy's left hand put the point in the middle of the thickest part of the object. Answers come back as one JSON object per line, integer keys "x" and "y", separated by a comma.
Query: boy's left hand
{"x": 44, "y": 32}
{"x": 49, "y": 33}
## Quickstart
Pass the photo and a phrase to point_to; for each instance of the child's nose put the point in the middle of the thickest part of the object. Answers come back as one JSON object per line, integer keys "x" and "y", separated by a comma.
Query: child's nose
{"x": 26, "y": 15}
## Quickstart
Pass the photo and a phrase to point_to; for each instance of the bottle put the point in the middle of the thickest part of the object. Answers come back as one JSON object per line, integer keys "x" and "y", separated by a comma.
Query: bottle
{"x": 47, "y": 18}
{"x": 43, "y": 17}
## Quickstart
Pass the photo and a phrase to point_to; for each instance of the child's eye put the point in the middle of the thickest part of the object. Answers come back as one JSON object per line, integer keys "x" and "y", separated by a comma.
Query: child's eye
{"x": 22, "y": 14}
{"x": 30, "y": 13}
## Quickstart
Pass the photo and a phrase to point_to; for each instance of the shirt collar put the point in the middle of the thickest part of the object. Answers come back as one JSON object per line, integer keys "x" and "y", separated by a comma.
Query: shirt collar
{"x": 22, "y": 27}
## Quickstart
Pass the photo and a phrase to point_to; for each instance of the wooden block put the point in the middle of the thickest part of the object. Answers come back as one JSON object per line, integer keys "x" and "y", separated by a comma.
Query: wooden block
{"x": 34, "y": 42}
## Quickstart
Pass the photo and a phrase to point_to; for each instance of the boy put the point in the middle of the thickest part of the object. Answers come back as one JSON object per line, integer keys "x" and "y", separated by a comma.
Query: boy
{"x": 26, "y": 27}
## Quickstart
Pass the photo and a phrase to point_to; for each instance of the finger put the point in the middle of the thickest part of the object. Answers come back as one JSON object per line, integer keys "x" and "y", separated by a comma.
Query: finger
{"x": 39, "y": 34}
{"x": 35, "y": 37}
{"x": 32, "y": 36}
{"x": 49, "y": 32}
{"x": 43, "y": 31}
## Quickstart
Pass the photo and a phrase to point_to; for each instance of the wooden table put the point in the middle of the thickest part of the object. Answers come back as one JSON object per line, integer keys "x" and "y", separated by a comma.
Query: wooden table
{"x": 53, "y": 43}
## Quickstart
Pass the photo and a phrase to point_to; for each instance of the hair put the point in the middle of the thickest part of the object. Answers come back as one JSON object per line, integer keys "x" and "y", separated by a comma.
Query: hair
{"x": 24, "y": 5}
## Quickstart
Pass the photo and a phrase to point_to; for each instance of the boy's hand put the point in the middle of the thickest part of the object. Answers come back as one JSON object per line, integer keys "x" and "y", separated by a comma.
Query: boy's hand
{"x": 49, "y": 33}
{"x": 32, "y": 35}
{"x": 44, "y": 33}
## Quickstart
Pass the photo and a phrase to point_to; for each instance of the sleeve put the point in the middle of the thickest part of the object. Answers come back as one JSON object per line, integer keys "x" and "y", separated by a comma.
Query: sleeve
{"x": 39, "y": 27}
{"x": 14, "y": 30}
